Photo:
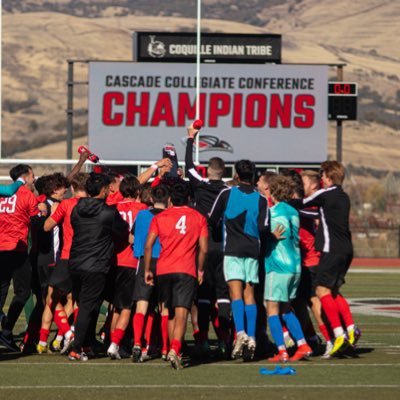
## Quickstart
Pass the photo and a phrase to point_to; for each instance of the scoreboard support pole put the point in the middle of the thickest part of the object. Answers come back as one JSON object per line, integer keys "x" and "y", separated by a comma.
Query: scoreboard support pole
{"x": 339, "y": 124}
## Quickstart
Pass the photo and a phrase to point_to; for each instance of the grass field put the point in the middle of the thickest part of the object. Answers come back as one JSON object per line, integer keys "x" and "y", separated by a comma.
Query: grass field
{"x": 373, "y": 373}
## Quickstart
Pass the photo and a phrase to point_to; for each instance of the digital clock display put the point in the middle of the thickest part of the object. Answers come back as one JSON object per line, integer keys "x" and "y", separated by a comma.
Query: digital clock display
{"x": 342, "y": 88}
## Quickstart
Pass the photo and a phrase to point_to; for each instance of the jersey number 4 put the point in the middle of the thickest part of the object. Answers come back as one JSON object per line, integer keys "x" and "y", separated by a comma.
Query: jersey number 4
{"x": 181, "y": 225}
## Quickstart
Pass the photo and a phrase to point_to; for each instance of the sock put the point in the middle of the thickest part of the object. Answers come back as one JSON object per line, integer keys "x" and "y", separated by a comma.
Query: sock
{"x": 215, "y": 322}
{"x": 176, "y": 345}
{"x": 294, "y": 327}
{"x": 196, "y": 336}
{"x": 251, "y": 319}
{"x": 331, "y": 311}
{"x": 44, "y": 336}
{"x": 32, "y": 333}
{"x": 59, "y": 336}
{"x": 275, "y": 326}
{"x": 325, "y": 333}
{"x": 61, "y": 320}
{"x": 224, "y": 319}
{"x": 149, "y": 328}
{"x": 345, "y": 312}
{"x": 204, "y": 308}
{"x": 164, "y": 333}
{"x": 238, "y": 315}
{"x": 138, "y": 325}
{"x": 117, "y": 335}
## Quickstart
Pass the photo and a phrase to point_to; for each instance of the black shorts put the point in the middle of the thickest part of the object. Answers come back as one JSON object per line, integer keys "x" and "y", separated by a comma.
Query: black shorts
{"x": 143, "y": 291}
{"x": 124, "y": 288}
{"x": 308, "y": 282}
{"x": 176, "y": 290}
{"x": 109, "y": 288}
{"x": 332, "y": 269}
{"x": 214, "y": 286}
{"x": 44, "y": 274}
{"x": 60, "y": 277}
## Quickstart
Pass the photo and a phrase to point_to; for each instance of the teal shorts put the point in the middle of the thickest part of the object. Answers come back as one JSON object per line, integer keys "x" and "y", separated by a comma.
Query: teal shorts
{"x": 243, "y": 269}
{"x": 281, "y": 287}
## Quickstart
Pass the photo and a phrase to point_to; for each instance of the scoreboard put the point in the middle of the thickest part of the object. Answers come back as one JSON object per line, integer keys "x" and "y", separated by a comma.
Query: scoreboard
{"x": 342, "y": 101}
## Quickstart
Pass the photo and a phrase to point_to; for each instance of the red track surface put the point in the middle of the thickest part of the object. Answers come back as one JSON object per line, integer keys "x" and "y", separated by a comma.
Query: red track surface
{"x": 376, "y": 262}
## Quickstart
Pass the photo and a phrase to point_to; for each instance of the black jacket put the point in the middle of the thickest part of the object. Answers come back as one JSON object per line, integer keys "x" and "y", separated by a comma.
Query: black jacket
{"x": 95, "y": 226}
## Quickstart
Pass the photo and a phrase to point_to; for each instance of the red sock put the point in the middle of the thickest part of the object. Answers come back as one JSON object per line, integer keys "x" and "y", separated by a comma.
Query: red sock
{"x": 164, "y": 333}
{"x": 215, "y": 322}
{"x": 149, "y": 328}
{"x": 284, "y": 329}
{"x": 32, "y": 333}
{"x": 325, "y": 333}
{"x": 117, "y": 335}
{"x": 61, "y": 321}
{"x": 76, "y": 310}
{"x": 331, "y": 311}
{"x": 138, "y": 325}
{"x": 344, "y": 310}
{"x": 44, "y": 335}
{"x": 176, "y": 345}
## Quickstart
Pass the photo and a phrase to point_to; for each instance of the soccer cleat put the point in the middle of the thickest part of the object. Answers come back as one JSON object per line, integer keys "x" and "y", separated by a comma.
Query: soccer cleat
{"x": 164, "y": 356}
{"x": 175, "y": 360}
{"x": 136, "y": 354}
{"x": 8, "y": 342}
{"x": 55, "y": 345}
{"x": 113, "y": 352}
{"x": 303, "y": 351}
{"x": 328, "y": 349}
{"x": 67, "y": 345}
{"x": 74, "y": 356}
{"x": 289, "y": 342}
{"x": 354, "y": 336}
{"x": 339, "y": 344}
{"x": 249, "y": 350}
{"x": 282, "y": 357}
{"x": 240, "y": 342}
{"x": 42, "y": 349}
{"x": 222, "y": 350}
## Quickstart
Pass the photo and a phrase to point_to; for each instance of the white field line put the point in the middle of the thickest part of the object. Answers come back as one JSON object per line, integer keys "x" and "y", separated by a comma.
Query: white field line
{"x": 374, "y": 271}
{"x": 216, "y": 365}
{"x": 185, "y": 386}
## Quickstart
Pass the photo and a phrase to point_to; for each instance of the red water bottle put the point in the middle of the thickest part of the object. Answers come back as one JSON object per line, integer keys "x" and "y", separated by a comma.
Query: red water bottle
{"x": 92, "y": 157}
{"x": 197, "y": 124}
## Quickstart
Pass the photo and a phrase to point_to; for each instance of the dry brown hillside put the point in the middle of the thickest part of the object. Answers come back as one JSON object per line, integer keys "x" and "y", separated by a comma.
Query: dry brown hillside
{"x": 359, "y": 32}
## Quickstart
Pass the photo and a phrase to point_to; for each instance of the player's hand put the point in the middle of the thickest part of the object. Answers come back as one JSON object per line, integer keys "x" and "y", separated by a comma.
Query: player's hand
{"x": 83, "y": 156}
{"x": 164, "y": 162}
{"x": 191, "y": 131}
{"x": 43, "y": 209}
{"x": 180, "y": 173}
{"x": 149, "y": 278}
{"x": 200, "y": 276}
{"x": 278, "y": 232}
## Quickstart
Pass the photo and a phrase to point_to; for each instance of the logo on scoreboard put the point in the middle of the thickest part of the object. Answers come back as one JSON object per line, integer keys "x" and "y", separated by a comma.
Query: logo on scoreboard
{"x": 156, "y": 48}
{"x": 211, "y": 143}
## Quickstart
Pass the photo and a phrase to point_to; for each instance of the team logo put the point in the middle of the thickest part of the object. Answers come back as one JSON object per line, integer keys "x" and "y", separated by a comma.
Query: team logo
{"x": 156, "y": 48}
{"x": 212, "y": 143}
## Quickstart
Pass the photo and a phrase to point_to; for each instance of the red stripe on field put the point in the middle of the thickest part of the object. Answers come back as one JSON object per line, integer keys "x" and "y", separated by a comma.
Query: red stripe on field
{"x": 388, "y": 308}
{"x": 376, "y": 262}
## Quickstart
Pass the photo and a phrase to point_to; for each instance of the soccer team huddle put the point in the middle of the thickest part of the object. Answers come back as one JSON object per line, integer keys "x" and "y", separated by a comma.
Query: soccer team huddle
{"x": 255, "y": 254}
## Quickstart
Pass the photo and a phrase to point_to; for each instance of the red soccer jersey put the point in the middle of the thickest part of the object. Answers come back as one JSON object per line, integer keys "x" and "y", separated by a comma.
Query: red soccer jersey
{"x": 179, "y": 229}
{"x": 128, "y": 210}
{"x": 63, "y": 214}
{"x": 114, "y": 198}
{"x": 15, "y": 214}
{"x": 309, "y": 256}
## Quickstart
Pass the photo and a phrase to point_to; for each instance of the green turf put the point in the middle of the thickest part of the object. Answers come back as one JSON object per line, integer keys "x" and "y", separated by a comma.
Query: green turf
{"x": 375, "y": 373}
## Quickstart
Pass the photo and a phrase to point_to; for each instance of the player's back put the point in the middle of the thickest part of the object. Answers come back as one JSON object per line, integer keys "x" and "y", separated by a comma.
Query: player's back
{"x": 179, "y": 229}
{"x": 283, "y": 256}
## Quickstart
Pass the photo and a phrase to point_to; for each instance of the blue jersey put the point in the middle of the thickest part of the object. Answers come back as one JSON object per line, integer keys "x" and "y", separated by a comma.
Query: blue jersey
{"x": 141, "y": 230}
{"x": 283, "y": 256}
{"x": 244, "y": 214}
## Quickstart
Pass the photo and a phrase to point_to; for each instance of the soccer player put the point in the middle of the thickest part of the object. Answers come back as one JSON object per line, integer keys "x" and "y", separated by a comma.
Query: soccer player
{"x": 145, "y": 295}
{"x": 283, "y": 267}
{"x": 182, "y": 231}
{"x": 333, "y": 240}
{"x": 17, "y": 213}
{"x": 60, "y": 284}
{"x": 244, "y": 213}
{"x": 214, "y": 288}
{"x": 126, "y": 266}
{"x": 94, "y": 224}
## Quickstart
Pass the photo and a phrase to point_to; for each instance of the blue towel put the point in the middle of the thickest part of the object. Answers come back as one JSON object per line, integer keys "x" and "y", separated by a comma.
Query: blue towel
{"x": 278, "y": 371}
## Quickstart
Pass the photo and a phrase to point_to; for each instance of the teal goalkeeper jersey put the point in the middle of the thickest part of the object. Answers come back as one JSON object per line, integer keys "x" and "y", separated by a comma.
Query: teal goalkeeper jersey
{"x": 283, "y": 256}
